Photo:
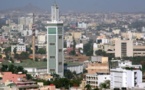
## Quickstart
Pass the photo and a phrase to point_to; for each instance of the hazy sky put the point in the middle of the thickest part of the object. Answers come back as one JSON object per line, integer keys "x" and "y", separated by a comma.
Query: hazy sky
{"x": 81, "y": 5}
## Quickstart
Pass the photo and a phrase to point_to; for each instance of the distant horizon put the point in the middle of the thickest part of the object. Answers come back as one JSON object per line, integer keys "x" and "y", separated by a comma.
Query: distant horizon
{"x": 80, "y": 5}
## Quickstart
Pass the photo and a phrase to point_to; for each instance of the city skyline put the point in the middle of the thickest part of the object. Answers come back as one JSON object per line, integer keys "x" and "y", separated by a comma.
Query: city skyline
{"x": 81, "y": 5}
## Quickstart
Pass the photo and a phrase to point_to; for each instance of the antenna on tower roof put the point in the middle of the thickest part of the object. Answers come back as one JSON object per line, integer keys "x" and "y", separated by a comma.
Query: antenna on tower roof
{"x": 55, "y": 12}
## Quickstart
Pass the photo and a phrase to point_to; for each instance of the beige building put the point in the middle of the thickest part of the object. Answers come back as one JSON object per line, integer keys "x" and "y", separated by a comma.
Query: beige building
{"x": 132, "y": 34}
{"x": 76, "y": 35}
{"x": 128, "y": 48}
{"x": 41, "y": 37}
{"x": 97, "y": 73}
{"x": 98, "y": 68}
{"x": 123, "y": 48}
{"x": 138, "y": 50}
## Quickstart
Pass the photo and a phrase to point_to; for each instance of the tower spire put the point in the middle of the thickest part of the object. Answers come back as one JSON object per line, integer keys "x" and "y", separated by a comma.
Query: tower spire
{"x": 54, "y": 13}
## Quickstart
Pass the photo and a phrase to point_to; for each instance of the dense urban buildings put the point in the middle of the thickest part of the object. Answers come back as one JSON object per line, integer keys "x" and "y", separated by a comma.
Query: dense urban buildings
{"x": 75, "y": 51}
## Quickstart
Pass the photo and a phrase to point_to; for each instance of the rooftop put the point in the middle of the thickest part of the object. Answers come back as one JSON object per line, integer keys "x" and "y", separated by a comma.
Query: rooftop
{"x": 28, "y": 63}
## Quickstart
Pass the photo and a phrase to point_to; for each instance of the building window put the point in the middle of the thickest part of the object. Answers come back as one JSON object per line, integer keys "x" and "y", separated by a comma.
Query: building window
{"x": 52, "y": 56}
{"x": 51, "y": 30}
{"x": 60, "y": 50}
{"x": 60, "y": 63}
{"x": 60, "y": 37}
{"x": 52, "y": 43}
{"x": 52, "y": 70}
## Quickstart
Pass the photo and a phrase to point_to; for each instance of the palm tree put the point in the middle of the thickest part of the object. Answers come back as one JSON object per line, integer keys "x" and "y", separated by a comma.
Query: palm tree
{"x": 88, "y": 87}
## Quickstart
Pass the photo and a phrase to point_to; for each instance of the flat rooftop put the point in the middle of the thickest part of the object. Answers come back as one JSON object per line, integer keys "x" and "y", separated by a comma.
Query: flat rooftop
{"x": 28, "y": 63}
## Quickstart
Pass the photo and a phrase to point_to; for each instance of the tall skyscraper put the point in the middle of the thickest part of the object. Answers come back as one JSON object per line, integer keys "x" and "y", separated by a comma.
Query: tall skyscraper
{"x": 55, "y": 56}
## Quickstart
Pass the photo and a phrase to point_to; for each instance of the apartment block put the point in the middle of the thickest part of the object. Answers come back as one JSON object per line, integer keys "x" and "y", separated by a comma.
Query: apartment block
{"x": 126, "y": 75}
{"x": 123, "y": 48}
{"x": 129, "y": 48}
{"x": 98, "y": 72}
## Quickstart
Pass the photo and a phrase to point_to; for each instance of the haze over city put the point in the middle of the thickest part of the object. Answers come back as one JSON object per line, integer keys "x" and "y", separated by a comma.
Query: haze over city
{"x": 81, "y": 5}
{"x": 72, "y": 45}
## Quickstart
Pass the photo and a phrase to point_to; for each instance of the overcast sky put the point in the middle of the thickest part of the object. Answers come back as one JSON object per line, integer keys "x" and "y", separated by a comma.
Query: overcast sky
{"x": 81, "y": 5}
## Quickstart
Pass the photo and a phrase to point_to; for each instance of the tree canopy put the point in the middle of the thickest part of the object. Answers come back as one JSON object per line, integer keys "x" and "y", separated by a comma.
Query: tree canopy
{"x": 15, "y": 70}
{"x": 88, "y": 48}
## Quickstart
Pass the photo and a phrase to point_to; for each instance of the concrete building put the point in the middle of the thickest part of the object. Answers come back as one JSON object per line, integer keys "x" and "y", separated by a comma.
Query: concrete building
{"x": 34, "y": 71}
{"x": 41, "y": 40}
{"x": 101, "y": 59}
{"x": 139, "y": 50}
{"x": 129, "y": 48}
{"x": 123, "y": 48}
{"x": 76, "y": 35}
{"x": 9, "y": 76}
{"x": 96, "y": 79}
{"x": 20, "y": 48}
{"x": 82, "y": 25}
{"x": 55, "y": 57}
{"x": 98, "y": 72}
{"x": 126, "y": 75}
{"x": 28, "y": 32}
{"x": 20, "y": 41}
{"x": 25, "y": 21}
{"x": 75, "y": 67}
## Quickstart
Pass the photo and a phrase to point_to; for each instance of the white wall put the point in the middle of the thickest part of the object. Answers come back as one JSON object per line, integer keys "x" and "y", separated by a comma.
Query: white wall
{"x": 125, "y": 78}
{"x": 103, "y": 78}
{"x": 78, "y": 68}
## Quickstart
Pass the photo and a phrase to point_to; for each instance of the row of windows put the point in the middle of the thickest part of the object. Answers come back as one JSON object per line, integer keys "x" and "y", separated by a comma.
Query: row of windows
{"x": 138, "y": 49}
{"x": 139, "y": 53}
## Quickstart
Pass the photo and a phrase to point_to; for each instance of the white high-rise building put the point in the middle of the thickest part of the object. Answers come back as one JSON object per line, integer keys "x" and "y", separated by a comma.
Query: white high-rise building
{"x": 55, "y": 56}
{"x": 126, "y": 75}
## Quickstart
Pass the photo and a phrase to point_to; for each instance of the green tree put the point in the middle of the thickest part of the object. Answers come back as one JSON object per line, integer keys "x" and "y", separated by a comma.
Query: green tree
{"x": 105, "y": 85}
{"x": 29, "y": 77}
{"x": 103, "y": 53}
{"x": 15, "y": 50}
{"x": 7, "y": 52}
{"x": 102, "y": 86}
{"x": 24, "y": 55}
{"x": 15, "y": 70}
{"x": 100, "y": 53}
{"x": 68, "y": 74}
{"x": 16, "y": 56}
{"x": 107, "y": 82}
{"x": 0, "y": 56}
{"x": 75, "y": 82}
{"x": 96, "y": 88}
{"x": 88, "y": 87}
{"x": 41, "y": 51}
{"x": 88, "y": 48}
{"x": 65, "y": 44}
{"x": 73, "y": 52}
{"x": 28, "y": 49}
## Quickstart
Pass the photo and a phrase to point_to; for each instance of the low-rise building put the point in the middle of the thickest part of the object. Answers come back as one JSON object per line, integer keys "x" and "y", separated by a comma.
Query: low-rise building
{"x": 20, "y": 48}
{"x": 34, "y": 71}
{"x": 75, "y": 67}
{"x": 97, "y": 72}
{"x": 96, "y": 79}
